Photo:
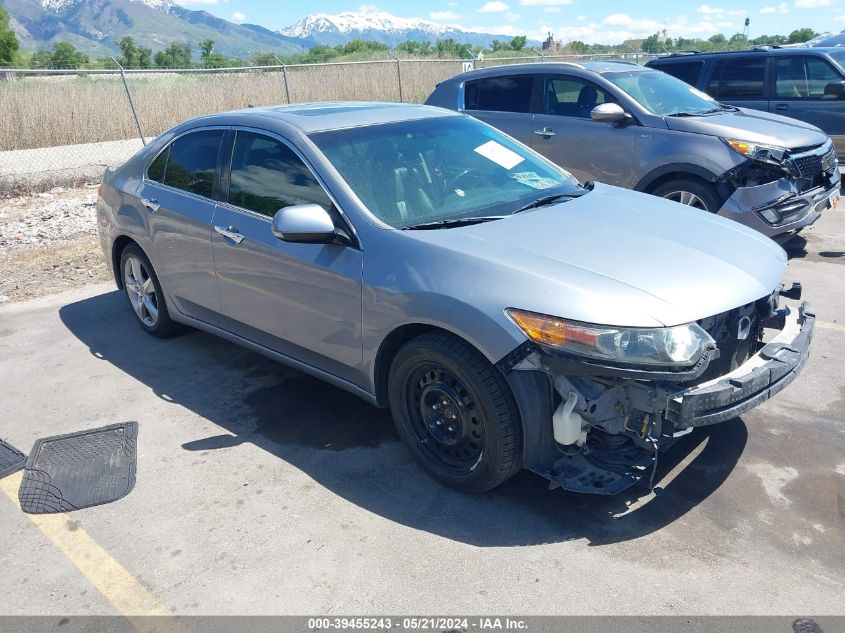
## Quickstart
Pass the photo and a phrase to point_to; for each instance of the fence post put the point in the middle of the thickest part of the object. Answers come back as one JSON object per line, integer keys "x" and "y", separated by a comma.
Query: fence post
{"x": 285, "y": 75}
{"x": 399, "y": 75}
{"x": 131, "y": 101}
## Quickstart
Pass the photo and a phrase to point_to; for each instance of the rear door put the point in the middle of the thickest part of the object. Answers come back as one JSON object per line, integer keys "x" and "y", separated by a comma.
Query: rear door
{"x": 740, "y": 81}
{"x": 302, "y": 300}
{"x": 177, "y": 197}
{"x": 504, "y": 102}
{"x": 798, "y": 92}
{"x": 565, "y": 133}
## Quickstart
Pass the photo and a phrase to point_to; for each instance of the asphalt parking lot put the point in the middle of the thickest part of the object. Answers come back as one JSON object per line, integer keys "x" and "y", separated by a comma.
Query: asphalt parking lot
{"x": 263, "y": 491}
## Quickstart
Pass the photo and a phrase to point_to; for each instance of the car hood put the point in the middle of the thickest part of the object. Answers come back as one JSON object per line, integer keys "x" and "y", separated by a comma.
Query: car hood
{"x": 751, "y": 125}
{"x": 615, "y": 256}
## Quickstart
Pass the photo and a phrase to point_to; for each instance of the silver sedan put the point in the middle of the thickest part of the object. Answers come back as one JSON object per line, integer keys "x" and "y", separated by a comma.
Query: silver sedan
{"x": 508, "y": 315}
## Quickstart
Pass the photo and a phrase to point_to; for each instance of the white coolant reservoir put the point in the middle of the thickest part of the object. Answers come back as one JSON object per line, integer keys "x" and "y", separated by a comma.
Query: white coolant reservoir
{"x": 567, "y": 423}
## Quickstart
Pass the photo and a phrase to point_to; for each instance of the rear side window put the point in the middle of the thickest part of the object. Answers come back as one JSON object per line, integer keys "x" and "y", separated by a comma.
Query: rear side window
{"x": 797, "y": 77}
{"x": 511, "y": 93}
{"x": 156, "y": 169}
{"x": 739, "y": 78}
{"x": 685, "y": 71}
{"x": 267, "y": 175}
{"x": 193, "y": 161}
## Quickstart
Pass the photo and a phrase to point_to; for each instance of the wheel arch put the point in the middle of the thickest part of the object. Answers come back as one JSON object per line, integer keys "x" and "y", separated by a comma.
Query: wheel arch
{"x": 664, "y": 173}
{"x": 118, "y": 246}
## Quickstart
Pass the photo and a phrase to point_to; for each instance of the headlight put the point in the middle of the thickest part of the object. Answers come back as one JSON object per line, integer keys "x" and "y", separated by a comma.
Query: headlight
{"x": 677, "y": 346}
{"x": 757, "y": 151}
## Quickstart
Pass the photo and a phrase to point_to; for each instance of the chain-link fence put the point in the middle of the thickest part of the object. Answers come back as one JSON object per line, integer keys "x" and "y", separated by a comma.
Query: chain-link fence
{"x": 64, "y": 126}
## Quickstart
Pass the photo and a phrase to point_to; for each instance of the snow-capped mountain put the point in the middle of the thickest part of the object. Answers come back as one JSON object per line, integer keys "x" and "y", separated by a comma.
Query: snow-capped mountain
{"x": 96, "y": 26}
{"x": 324, "y": 28}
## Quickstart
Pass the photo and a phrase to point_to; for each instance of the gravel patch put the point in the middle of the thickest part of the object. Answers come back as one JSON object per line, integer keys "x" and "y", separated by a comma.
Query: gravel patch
{"x": 48, "y": 243}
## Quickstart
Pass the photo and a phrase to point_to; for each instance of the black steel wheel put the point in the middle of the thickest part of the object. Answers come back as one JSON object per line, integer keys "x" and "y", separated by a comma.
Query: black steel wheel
{"x": 455, "y": 411}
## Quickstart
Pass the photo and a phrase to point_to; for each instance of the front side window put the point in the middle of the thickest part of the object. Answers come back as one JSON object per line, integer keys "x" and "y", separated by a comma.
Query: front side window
{"x": 662, "y": 94}
{"x": 193, "y": 162}
{"x": 267, "y": 175}
{"x": 739, "y": 78}
{"x": 438, "y": 169}
{"x": 567, "y": 96}
{"x": 803, "y": 77}
{"x": 511, "y": 93}
{"x": 685, "y": 71}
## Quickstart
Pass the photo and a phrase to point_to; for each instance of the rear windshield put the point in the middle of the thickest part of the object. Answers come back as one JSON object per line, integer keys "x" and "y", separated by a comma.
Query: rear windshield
{"x": 685, "y": 71}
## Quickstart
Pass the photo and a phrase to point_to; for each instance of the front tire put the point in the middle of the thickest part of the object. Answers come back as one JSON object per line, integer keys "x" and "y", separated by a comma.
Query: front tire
{"x": 456, "y": 413}
{"x": 694, "y": 193}
{"x": 144, "y": 294}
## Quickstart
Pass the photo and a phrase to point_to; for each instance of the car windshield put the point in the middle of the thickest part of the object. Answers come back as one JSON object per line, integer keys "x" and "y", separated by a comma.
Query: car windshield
{"x": 441, "y": 170}
{"x": 663, "y": 94}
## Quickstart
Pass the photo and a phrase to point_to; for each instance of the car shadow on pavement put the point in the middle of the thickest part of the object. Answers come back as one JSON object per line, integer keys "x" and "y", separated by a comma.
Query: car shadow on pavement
{"x": 352, "y": 449}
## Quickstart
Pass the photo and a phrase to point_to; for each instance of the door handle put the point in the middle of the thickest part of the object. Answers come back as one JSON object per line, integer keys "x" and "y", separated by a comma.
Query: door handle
{"x": 781, "y": 106}
{"x": 231, "y": 232}
{"x": 544, "y": 132}
{"x": 151, "y": 203}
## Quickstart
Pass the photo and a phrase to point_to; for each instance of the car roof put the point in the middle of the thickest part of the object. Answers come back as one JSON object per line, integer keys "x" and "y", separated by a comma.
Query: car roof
{"x": 814, "y": 51}
{"x": 318, "y": 117}
{"x": 553, "y": 67}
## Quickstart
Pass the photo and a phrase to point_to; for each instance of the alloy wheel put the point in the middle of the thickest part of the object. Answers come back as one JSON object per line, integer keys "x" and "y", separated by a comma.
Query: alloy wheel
{"x": 688, "y": 198}
{"x": 141, "y": 291}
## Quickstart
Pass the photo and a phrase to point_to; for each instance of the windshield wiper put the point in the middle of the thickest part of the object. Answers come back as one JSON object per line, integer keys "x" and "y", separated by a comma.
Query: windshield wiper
{"x": 452, "y": 223}
{"x": 541, "y": 202}
{"x": 721, "y": 108}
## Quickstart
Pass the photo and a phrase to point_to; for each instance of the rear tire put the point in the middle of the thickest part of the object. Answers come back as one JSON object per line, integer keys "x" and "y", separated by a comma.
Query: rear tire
{"x": 455, "y": 412}
{"x": 691, "y": 192}
{"x": 144, "y": 294}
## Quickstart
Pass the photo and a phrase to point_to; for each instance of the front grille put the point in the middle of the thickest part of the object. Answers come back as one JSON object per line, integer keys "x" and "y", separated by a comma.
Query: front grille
{"x": 813, "y": 163}
{"x": 808, "y": 166}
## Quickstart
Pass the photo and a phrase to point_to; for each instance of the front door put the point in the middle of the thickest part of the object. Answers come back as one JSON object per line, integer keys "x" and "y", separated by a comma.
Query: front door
{"x": 564, "y": 132}
{"x": 302, "y": 300}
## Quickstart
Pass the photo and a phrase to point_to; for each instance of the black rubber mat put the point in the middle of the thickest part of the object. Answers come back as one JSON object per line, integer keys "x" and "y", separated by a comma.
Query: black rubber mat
{"x": 78, "y": 470}
{"x": 11, "y": 459}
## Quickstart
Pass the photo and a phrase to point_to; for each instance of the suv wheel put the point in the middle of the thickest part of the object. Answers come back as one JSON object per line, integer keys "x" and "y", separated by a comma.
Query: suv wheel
{"x": 455, "y": 412}
{"x": 690, "y": 192}
{"x": 143, "y": 291}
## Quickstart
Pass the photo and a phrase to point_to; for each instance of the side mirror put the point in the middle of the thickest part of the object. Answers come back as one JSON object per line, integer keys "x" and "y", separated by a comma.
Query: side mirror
{"x": 608, "y": 113}
{"x": 307, "y": 223}
{"x": 835, "y": 89}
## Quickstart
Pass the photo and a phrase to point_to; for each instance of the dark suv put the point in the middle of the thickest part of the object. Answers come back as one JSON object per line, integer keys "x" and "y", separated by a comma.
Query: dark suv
{"x": 807, "y": 84}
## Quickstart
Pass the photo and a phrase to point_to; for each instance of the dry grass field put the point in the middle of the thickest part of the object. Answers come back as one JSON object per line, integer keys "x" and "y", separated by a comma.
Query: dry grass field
{"x": 51, "y": 111}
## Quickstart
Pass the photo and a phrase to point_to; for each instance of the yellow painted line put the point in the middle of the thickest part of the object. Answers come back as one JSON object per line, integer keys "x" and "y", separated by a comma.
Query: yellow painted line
{"x": 128, "y": 596}
{"x": 836, "y": 327}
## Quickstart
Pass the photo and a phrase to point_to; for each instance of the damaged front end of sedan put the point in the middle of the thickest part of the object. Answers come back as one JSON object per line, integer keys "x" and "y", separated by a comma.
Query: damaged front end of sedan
{"x": 618, "y": 397}
{"x": 783, "y": 190}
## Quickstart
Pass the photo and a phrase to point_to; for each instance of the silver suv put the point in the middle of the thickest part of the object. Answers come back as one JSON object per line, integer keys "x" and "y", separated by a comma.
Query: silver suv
{"x": 639, "y": 128}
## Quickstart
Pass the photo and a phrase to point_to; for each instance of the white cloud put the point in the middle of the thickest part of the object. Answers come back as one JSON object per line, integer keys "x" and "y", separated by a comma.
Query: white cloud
{"x": 812, "y": 4}
{"x": 511, "y": 17}
{"x": 493, "y": 7}
{"x": 618, "y": 19}
{"x": 202, "y": 1}
{"x": 545, "y": 3}
{"x": 783, "y": 7}
{"x": 238, "y": 17}
{"x": 367, "y": 8}
{"x": 443, "y": 15}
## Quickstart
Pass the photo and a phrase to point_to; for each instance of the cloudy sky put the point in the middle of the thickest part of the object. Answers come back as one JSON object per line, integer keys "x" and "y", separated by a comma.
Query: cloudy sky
{"x": 588, "y": 20}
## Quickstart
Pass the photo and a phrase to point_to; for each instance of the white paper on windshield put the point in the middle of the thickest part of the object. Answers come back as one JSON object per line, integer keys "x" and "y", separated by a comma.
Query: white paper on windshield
{"x": 499, "y": 154}
{"x": 533, "y": 180}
